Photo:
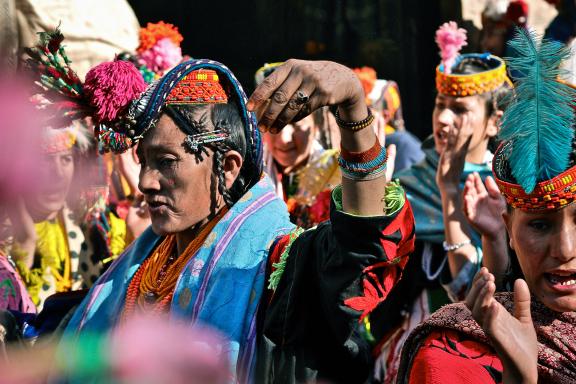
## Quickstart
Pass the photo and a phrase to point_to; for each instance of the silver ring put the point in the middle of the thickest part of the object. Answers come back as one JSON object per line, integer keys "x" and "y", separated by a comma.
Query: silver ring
{"x": 302, "y": 98}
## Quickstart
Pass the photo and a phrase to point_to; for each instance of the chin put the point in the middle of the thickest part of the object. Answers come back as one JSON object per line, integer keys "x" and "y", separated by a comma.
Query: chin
{"x": 560, "y": 304}
{"x": 163, "y": 227}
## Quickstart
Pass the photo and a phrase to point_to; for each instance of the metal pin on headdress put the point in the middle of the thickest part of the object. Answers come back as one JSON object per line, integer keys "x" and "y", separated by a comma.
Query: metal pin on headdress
{"x": 195, "y": 142}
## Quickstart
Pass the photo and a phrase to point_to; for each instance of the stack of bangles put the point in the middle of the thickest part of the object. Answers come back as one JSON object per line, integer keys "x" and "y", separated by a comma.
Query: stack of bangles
{"x": 367, "y": 165}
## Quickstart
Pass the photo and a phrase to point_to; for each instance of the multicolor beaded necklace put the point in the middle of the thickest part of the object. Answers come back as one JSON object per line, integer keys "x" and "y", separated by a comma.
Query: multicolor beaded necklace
{"x": 152, "y": 287}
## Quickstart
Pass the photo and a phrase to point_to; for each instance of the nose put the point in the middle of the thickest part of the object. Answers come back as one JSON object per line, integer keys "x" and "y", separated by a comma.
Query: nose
{"x": 286, "y": 135}
{"x": 565, "y": 246}
{"x": 446, "y": 117}
{"x": 148, "y": 181}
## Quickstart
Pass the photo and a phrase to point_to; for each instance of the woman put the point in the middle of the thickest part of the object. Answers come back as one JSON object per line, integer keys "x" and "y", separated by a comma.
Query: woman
{"x": 448, "y": 253}
{"x": 220, "y": 236}
{"x": 527, "y": 336}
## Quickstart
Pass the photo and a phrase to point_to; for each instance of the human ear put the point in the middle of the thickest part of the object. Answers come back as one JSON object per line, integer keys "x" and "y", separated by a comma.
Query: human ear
{"x": 493, "y": 125}
{"x": 232, "y": 163}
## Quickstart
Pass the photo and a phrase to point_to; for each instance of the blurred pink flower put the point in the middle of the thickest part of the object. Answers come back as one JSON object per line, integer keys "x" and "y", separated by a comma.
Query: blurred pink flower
{"x": 450, "y": 39}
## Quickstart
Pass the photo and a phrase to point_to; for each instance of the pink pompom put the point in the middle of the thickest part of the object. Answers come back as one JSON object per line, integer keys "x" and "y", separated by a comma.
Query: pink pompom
{"x": 111, "y": 86}
{"x": 162, "y": 56}
{"x": 450, "y": 39}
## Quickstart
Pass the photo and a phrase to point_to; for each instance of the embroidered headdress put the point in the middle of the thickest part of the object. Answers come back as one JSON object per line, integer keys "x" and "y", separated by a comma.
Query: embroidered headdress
{"x": 535, "y": 166}
{"x": 451, "y": 39}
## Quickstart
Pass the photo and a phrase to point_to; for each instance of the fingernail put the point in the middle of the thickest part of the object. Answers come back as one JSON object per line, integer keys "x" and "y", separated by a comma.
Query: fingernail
{"x": 250, "y": 106}
{"x": 262, "y": 128}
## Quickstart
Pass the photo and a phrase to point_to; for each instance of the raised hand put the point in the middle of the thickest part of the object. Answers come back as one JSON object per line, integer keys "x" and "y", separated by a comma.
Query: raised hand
{"x": 512, "y": 336}
{"x": 453, "y": 158}
{"x": 298, "y": 87}
{"x": 483, "y": 205}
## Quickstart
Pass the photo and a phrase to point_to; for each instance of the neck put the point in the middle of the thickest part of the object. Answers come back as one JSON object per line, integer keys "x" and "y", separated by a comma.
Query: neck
{"x": 184, "y": 238}
{"x": 477, "y": 155}
{"x": 38, "y": 217}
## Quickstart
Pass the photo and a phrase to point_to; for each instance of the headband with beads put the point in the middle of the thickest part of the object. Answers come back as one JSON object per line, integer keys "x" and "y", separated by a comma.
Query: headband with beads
{"x": 450, "y": 40}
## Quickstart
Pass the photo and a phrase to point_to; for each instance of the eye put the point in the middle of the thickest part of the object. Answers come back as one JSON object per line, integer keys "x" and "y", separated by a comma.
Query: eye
{"x": 67, "y": 159}
{"x": 539, "y": 225}
{"x": 167, "y": 162}
{"x": 440, "y": 105}
{"x": 459, "y": 110}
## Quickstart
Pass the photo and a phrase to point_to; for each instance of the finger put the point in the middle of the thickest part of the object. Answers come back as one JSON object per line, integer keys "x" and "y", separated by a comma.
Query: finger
{"x": 477, "y": 285}
{"x": 295, "y": 109}
{"x": 265, "y": 90}
{"x": 492, "y": 187}
{"x": 390, "y": 161}
{"x": 479, "y": 185}
{"x": 285, "y": 94}
{"x": 522, "y": 302}
{"x": 483, "y": 302}
{"x": 469, "y": 207}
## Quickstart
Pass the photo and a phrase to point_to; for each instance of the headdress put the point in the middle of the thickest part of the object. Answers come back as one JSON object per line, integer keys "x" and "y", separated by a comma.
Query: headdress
{"x": 159, "y": 50}
{"x": 451, "y": 39}
{"x": 535, "y": 167}
{"x": 192, "y": 82}
{"x": 104, "y": 96}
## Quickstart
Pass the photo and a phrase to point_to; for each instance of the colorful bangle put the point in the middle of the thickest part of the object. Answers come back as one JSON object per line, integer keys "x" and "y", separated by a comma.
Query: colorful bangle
{"x": 371, "y": 164}
{"x": 362, "y": 157}
{"x": 354, "y": 126}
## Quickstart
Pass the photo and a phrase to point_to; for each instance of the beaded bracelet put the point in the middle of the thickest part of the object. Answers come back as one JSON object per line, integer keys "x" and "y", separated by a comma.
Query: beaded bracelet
{"x": 452, "y": 247}
{"x": 354, "y": 126}
{"x": 366, "y": 165}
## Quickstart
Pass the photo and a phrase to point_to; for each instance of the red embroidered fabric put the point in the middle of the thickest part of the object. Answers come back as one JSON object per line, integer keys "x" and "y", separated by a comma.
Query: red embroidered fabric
{"x": 450, "y": 357}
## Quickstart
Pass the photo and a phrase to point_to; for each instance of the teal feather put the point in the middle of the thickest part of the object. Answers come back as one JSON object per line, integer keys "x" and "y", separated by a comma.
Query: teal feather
{"x": 540, "y": 118}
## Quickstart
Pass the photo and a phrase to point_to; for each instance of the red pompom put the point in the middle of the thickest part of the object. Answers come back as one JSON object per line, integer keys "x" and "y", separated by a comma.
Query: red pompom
{"x": 111, "y": 87}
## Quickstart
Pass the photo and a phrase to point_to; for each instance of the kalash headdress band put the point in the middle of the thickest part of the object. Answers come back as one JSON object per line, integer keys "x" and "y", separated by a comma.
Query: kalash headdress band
{"x": 535, "y": 166}
{"x": 450, "y": 40}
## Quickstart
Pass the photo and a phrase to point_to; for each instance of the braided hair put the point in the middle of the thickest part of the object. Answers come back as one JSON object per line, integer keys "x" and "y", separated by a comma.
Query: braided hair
{"x": 194, "y": 119}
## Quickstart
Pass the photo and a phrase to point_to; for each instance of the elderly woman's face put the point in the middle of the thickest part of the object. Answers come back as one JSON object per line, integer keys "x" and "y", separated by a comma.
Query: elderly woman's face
{"x": 292, "y": 146}
{"x": 546, "y": 247}
{"x": 175, "y": 184}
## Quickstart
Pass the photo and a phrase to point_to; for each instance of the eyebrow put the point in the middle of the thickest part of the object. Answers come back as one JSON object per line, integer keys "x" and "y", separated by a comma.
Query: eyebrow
{"x": 154, "y": 148}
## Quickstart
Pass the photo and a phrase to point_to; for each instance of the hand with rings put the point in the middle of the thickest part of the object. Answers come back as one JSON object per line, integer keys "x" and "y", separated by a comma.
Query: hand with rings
{"x": 298, "y": 87}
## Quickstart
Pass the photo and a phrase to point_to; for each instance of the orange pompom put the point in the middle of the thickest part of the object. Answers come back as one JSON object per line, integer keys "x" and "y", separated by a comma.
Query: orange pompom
{"x": 154, "y": 32}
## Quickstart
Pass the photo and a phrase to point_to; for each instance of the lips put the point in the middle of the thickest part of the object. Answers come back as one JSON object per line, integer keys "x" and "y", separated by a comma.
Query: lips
{"x": 156, "y": 206}
{"x": 561, "y": 280}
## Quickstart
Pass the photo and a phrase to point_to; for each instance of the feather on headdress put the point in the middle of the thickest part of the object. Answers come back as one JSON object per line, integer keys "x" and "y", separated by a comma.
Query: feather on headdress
{"x": 539, "y": 121}
{"x": 450, "y": 40}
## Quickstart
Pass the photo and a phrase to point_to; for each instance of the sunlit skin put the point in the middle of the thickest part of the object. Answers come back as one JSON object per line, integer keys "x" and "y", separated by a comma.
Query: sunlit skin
{"x": 463, "y": 113}
{"x": 178, "y": 187}
{"x": 55, "y": 178}
{"x": 292, "y": 146}
{"x": 545, "y": 244}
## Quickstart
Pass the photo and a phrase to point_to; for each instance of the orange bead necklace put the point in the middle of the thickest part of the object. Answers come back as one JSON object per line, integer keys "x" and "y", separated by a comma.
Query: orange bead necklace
{"x": 152, "y": 287}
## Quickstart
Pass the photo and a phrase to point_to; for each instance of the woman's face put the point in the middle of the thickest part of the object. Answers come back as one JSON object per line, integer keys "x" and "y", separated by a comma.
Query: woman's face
{"x": 177, "y": 186}
{"x": 291, "y": 147}
{"x": 465, "y": 114}
{"x": 545, "y": 244}
{"x": 55, "y": 177}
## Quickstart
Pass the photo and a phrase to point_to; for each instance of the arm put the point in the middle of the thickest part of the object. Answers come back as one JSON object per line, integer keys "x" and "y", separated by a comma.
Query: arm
{"x": 297, "y": 88}
{"x": 450, "y": 168}
{"x": 483, "y": 208}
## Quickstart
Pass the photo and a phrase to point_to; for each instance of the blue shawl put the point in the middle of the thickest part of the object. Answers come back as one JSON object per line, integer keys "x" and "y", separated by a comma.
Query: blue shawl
{"x": 221, "y": 285}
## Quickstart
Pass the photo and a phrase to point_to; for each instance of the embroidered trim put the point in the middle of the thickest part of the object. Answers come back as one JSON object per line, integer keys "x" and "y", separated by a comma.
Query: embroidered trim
{"x": 279, "y": 267}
